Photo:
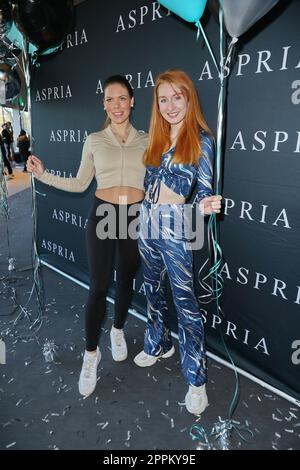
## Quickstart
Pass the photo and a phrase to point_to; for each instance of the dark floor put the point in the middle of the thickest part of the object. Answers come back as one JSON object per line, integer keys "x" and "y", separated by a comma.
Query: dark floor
{"x": 132, "y": 408}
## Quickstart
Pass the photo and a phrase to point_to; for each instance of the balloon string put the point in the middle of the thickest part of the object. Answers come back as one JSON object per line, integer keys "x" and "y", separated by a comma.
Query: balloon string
{"x": 220, "y": 109}
{"x": 200, "y": 28}
{"x": 35, "y": 258}
{"x": 9, "y": 280}
{"x": 230, "y": 50}
{"x": 215, "y": 292}
{"x": 212, "y": 225}
{"x": 220, "y": 134}
{"x": 40, "y": 194}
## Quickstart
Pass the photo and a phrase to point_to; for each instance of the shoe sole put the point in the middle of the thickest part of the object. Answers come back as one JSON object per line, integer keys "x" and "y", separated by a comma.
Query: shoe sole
{"x": 119, "y": 359}
{"x": 156, "y": 358}
{"x": 197, "y": 412}
{"x": 168, "y": 353}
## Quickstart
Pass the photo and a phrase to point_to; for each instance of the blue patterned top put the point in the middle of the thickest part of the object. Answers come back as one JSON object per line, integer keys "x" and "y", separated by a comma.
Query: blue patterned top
{"x": 182, "y": 178}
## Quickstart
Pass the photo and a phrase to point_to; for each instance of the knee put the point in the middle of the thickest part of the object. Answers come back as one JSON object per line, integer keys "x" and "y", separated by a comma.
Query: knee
{"x": 125, "y": 279}
{"x": 130, "y": 271}
{"x": 98, "y": 291}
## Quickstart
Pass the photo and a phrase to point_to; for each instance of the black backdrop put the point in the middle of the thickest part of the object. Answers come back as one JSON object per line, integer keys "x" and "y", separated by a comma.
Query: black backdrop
{"x": 260, "y": 226}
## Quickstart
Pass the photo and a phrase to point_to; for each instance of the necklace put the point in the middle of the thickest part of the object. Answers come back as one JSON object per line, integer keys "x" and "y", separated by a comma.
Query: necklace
{"x": 122, "y": 137}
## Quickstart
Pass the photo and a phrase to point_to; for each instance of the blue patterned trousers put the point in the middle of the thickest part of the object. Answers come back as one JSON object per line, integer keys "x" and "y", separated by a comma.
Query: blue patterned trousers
{"x": 163, "y": 254}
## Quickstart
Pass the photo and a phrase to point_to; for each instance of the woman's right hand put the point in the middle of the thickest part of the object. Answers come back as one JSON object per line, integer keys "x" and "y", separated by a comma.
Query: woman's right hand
{"x": 35, "y": 166}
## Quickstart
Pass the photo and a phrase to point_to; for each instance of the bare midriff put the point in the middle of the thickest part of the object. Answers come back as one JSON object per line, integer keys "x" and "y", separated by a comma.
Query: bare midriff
{"x": 120, "y": 195}
{"x": 167, "y": 196}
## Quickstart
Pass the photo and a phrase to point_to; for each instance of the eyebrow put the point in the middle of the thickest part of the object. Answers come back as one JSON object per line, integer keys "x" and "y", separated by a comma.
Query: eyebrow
{"x": 176, "y": 93}
{"x": 119, "y": 96}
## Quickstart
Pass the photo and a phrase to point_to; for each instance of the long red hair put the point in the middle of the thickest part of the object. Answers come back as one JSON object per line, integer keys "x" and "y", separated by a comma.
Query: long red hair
{"x": 188, "y": 145}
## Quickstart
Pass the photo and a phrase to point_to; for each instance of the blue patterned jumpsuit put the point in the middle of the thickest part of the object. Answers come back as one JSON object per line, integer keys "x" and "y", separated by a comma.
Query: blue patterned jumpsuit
{"x": 165, "y": 254}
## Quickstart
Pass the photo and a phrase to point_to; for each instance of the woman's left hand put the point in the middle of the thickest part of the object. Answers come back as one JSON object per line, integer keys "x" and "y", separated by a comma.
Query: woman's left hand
{"x": 210, "y": 205}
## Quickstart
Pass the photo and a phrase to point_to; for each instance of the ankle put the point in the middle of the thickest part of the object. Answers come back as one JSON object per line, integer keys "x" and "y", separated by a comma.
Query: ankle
{"x": 91, "y": 353}
{"x": 197, "y": 389}
{"x": 116, "y": 330}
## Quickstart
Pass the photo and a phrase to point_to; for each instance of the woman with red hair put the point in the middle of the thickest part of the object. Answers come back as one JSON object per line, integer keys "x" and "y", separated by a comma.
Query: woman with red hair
{"x": 179, "y": 160}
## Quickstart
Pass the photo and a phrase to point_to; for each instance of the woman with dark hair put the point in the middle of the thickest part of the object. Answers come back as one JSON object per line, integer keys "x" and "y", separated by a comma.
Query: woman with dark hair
{"x": 179, "y": 160}
{"x": 7, "y": 137}
{"x": 23, "y": 144}
{"x": 6, "y": 162}
{"x": 114, "y": 156}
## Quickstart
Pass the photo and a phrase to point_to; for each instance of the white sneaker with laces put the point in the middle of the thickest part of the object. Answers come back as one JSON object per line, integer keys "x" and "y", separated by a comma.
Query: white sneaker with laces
{"x": 88, "y": 374}
{"x": 196, "y": 399}
{"x": 145, "y": 360}
{"x": 118, "y": 345}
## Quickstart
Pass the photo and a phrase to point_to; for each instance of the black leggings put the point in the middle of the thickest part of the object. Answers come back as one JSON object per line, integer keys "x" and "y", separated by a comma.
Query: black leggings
{"x": 100, "y": 258}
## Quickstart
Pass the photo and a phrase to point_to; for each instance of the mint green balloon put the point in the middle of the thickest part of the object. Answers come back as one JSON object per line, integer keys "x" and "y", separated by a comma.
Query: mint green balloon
{"x": 15, "y": 37}
{"x": 189, "y": 10}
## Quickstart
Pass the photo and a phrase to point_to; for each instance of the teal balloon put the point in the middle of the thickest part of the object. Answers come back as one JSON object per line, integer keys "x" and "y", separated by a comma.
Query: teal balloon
{"x": 189, "y": 10}
{"x": 49, "y": 51}
{"x": 15, "y": 37}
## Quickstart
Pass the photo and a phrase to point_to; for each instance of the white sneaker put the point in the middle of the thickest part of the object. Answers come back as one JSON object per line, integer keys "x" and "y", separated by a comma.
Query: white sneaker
{"x": 145, "y": 360}
{"x": 88, "y": 374}
{"x": 196, "y": 399}
{"x": 118, "y": 345}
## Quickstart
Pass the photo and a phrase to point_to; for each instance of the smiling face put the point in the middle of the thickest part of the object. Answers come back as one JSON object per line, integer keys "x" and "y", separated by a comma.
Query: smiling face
{"x": 117, "y": 103}
{"x": 172, "y": 103}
